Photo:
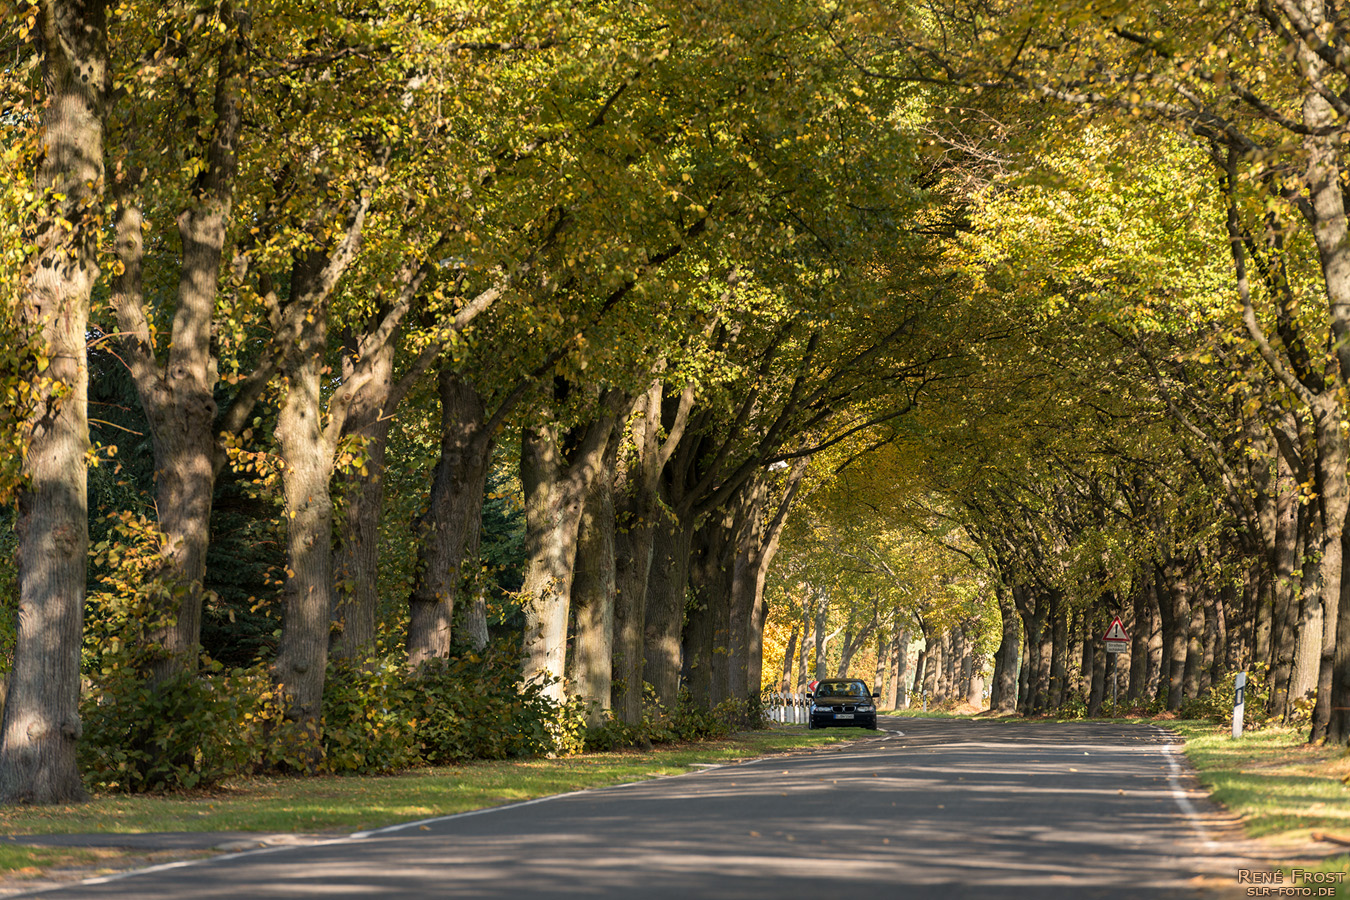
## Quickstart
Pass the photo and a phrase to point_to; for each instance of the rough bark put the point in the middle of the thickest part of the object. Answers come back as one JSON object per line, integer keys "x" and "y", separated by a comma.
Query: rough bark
{"x": 932, "y": 667}
{"x": 969, "y": 683}
{"x": 1139, "y": 644}
{"x": 41, "y": 723}
{"x": 637, "y": 511}
{"x": 785, "y": 682}
{"x": 593, "y": 592}
{"x": 1059, "y": 652}
{"x": 1003, "y": 690}
{"x": 307, "y": 596}
{"x": 361, "y": 487}
{"x": 821, "y": 610}
{"x": 450, "y": 523}
{"x": 1026, "y": 690}
{"x": 665, "y": 609}
{"x": 1215, "y": 640}
{"x": 1331, "y": 714}
{"x": 1154, "y": 637}
{"x": 705, "y": 626}
{"x": 880, "y": 683}
{"x": 1174, "y": 609}
{"x": 1095, "y": 652}
{"x": 177, "y": 396}
{"x": 1045, "y": 651}
{"x": 898, "y": 696}
{"x": 801, "y": 655}
{"x": 753, "y": 573}
{"x": 555, "y": 484}
{"x": 921, "y": 674}
{"x": 746, "y": 598}
{"x": 1204, "y": 633}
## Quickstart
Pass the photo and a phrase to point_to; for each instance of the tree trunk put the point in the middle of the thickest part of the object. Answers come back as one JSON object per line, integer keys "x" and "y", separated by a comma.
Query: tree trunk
{"x": 1329, "y": 720}
{"x": 745, "y": 602}
{"x": 1211, "y": 637}
{"x": 1059, "y": 637}
{"x": 785, "y": 682}
{"x": 665, "y": 608}
{"x": 705, "y": 630}
{"x": 1139, "y": 645}
{"x": 593, "y": 592}
{"x": 1308, "y": 649}
{"x": 452, "y": 518}
{"x": 1174, "y": 608}
{"x": 1155, "y": 637}
{"x": 41, "y": 723}
{"x": 1262, "y": 615}
{"x": 1195, "y": 646}
{"x": 822, "y": 609}
{"x": 1096, "y": 653}
{"x": 1003, "y": 693}
{"x": 551, "y": 522}
{"x": 883, "y": 662}
{"x": 1045, "y": 652}
{"x": 555, "y": 489}
{"x": 898, "y": 696}
{"x": 920, "y": 685}
{"x": 636, "y": 513}
{"x": 806, "y": 613}
{"x": 1333, "y": 676}
{"x": 969, "y": 684}
{"x": 178, "y": 397}
{"x": 356, "y": 557}
{"x": 302, "y": 655}
{"x": 932, "y": 668}
{"x": 1025, "y": 607}
{"x": 764, "y": 542}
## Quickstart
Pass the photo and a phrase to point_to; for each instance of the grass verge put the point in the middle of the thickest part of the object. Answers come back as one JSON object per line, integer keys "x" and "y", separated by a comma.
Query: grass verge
{"x": 1284, "y": 790}
{"x": 344, "y": 804}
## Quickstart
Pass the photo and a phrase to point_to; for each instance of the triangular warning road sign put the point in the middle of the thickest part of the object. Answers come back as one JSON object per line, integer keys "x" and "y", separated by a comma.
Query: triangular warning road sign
{"x": 1116, "y": 632}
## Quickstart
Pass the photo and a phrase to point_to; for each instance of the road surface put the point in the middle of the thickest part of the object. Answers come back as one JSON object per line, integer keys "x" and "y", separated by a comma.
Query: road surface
{"x": 928, "y": 809}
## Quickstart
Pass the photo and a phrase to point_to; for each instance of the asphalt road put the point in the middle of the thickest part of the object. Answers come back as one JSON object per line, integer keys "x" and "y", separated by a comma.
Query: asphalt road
{"x": 946, "y": 809}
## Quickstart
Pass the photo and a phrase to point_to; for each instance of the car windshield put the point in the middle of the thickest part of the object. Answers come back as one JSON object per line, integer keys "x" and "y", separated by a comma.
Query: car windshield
{"x": 843, "y": 689}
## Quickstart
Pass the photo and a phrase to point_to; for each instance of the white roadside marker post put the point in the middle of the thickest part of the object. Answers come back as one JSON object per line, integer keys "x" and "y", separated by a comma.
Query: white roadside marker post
{"x": 1239, "y": 702}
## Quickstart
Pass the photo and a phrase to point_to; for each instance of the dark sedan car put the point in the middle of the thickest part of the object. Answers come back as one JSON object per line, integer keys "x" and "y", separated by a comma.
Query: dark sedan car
{"x": 842, "y": 701}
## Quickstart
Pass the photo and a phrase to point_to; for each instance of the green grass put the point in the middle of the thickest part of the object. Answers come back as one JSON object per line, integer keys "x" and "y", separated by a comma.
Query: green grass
{"x": 343, "y": 804}
{"x": 340, "y": 805}
{"x": 1283, "y": 789}
{"x": 1279, "y": 785}
{"x": 15, "y": 859}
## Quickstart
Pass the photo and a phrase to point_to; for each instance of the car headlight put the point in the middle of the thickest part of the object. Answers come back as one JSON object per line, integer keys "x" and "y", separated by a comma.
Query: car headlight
{"x": 866, "y": 709}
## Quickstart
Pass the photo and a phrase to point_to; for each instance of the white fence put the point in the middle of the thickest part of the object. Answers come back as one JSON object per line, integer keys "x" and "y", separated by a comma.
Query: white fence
{"x": 787, "y": 707}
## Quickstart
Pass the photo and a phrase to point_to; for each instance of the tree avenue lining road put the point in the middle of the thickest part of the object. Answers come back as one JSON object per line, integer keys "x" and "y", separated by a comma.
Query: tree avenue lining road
{"x": 935, "y": 808}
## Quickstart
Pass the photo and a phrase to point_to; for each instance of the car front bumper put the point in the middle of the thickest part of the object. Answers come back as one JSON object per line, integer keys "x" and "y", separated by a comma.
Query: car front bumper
{"x": 828, "y": 719}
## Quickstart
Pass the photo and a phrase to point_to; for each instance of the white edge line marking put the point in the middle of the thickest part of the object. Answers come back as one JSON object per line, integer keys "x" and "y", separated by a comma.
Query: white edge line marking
{"x": 1179, "y": 794}
{"x": 390, "y": 829}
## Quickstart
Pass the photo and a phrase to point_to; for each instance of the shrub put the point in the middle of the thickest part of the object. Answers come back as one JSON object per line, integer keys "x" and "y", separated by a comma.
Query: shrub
{"x": 477, "y": 706}
{"x": 180, "y": 734}
{"x": 368, "y": 717}
{"x": 141, "y": 734}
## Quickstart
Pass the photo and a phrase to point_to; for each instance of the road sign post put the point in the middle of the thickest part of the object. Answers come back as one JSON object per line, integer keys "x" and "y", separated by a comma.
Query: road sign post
{"x": 1239, "y": 702}
{"x": 1116, "y": 641}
